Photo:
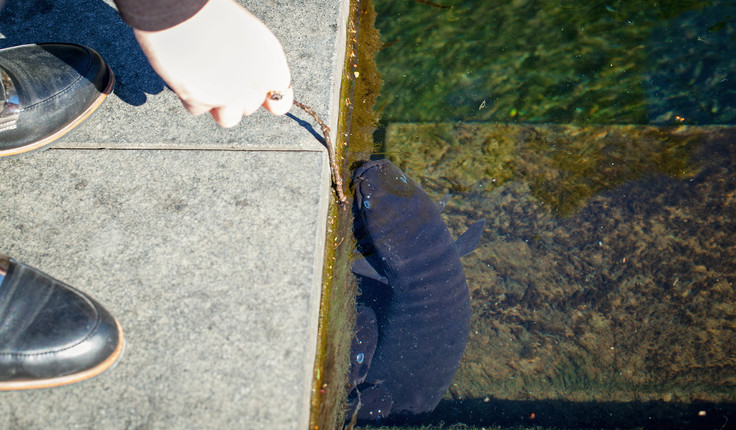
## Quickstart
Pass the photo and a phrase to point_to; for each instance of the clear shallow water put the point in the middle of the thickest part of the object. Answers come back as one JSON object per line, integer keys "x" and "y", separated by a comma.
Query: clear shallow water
{"x": 594, "y": 138}
{"x": 542, "y": 61}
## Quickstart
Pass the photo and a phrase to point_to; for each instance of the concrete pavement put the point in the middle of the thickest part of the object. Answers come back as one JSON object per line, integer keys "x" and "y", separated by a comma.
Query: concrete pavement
{"x": 207, "y": 244}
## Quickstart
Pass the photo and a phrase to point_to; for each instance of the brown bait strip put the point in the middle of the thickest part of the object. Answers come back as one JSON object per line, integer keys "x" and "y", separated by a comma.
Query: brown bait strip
{"x": 330, "y": 153}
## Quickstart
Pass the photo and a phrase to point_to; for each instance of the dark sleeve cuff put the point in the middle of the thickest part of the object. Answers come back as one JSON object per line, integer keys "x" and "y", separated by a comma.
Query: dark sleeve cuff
{"x": 155, "y": 15}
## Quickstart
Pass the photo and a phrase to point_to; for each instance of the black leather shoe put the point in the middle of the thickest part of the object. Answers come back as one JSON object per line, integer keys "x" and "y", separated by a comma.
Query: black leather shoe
{"x": 50, "y": 333}
{"x": 45, "y": 91}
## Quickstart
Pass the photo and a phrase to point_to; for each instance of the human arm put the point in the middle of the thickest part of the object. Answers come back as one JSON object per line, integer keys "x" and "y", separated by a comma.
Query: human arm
{"x": 221, "y": 60}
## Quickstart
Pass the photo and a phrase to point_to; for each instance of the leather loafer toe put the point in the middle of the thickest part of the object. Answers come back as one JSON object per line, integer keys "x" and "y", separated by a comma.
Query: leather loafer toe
{"x": 45, "y": 91}
{"x": 50, "y": 333}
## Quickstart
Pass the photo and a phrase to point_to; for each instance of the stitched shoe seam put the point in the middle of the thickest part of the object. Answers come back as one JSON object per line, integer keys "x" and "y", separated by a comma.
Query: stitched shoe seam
{"x": 66, "y": 89}
{"x": 39, "y": 354}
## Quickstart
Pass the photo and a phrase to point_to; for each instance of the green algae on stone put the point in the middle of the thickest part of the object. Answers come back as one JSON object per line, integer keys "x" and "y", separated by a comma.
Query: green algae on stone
{"x": 357, "y": 120}
{"x": 546, "y": 61}
{"x": 629, "y": 299}
{"x": 459, "y": 155}
{"x": 564, "y": 164}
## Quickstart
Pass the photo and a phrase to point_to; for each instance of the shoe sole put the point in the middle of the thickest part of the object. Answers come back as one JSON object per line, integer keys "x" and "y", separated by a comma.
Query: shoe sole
{"x": 44, "y": 143}
{"x": 32, "y": 384}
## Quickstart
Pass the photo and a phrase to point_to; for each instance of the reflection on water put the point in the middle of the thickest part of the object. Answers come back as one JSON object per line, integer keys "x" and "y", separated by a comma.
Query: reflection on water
{"x": 603, "y": 293}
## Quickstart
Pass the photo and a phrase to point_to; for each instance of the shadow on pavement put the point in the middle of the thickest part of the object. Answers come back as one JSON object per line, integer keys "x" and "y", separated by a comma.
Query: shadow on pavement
{"x": 87, "y": 22}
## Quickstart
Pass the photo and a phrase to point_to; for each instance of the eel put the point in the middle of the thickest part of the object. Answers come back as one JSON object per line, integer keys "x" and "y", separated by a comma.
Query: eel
{"x": 414, "y": 307}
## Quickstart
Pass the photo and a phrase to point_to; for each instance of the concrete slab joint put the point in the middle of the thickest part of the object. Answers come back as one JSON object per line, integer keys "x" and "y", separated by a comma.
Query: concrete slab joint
{"x": 206, "y": 243}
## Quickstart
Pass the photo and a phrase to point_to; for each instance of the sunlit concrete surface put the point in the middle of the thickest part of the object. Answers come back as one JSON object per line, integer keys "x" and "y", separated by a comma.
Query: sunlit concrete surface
{"x": 205, "y": 243}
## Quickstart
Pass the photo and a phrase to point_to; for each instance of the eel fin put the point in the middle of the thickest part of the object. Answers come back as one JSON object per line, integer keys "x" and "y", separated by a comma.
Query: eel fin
{"x": 370, "y": 402}
{"x": 362, "y": 267}
{"x": 441, "y": 203}
{"x": 469, "y": 240}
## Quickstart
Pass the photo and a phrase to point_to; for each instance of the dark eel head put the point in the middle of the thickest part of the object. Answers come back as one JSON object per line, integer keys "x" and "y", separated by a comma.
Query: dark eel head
{"x": 380, "y": 183}
{"x": 382, "y": 191}
{"x": 388, "y": 207}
